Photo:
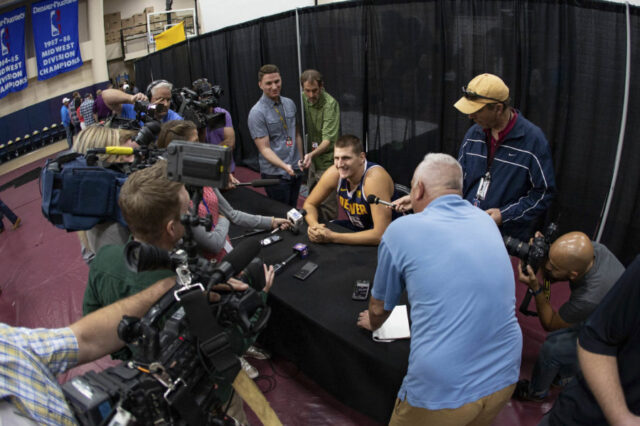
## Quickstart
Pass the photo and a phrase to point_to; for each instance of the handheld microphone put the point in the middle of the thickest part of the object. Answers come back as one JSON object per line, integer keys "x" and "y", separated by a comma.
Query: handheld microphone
{"x": 296, "y": 217}
{"x": 299, "y": 249}
{"x": 372, "y": 199}
{"x": 259, "y": 183}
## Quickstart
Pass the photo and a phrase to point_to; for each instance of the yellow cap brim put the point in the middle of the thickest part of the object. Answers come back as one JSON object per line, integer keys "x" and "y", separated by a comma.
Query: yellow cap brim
{"x": 467, "y": 106}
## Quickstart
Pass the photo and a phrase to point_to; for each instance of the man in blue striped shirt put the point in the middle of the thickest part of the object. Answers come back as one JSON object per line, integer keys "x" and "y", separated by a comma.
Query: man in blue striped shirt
{"x": 30, "y": 359}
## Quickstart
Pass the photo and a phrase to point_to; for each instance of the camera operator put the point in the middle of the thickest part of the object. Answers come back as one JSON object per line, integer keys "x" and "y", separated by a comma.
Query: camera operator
{"x": 152, "y": 205}
{"x": 591, "y": 270}
{"x": 226, "y": 135}
{"x": 30, "y": 359}
{"x": 108, "y": 232}
{"x": 158, "y": 93}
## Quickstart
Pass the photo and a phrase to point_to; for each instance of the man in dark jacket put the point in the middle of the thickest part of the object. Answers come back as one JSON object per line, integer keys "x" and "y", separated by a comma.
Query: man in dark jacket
{"x": 505, "y": 158}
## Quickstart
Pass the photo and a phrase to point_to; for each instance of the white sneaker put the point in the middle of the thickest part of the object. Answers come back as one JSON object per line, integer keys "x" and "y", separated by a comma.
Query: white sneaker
{"x": 251, "y": 371}
{"x": 257, "y": 353}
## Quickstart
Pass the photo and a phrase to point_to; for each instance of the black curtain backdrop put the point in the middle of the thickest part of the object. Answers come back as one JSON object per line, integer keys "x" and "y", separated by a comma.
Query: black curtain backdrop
{"x": 396, "y": 68}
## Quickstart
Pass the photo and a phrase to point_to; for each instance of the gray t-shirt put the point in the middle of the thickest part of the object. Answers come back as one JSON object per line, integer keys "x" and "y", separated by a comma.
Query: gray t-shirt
{"x": 278, "y": 121}
{"x": 587, "y": 292}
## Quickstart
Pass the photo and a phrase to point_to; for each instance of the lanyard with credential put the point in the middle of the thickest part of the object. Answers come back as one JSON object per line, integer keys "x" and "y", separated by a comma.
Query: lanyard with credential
{"x": 282, "y": 120}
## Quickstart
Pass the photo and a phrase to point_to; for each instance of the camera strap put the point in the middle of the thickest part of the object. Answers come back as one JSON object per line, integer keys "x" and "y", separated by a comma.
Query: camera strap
{"x": 213, "y": 340}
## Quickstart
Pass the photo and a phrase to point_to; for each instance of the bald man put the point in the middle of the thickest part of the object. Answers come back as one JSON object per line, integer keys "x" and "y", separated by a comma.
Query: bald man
{"x": 591, "y": 270}
{"x": 466, "y": 343}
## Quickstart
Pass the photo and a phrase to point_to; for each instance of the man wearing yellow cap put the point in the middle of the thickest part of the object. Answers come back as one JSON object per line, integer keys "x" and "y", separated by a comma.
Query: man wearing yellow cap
{"x": 508, "y": 171}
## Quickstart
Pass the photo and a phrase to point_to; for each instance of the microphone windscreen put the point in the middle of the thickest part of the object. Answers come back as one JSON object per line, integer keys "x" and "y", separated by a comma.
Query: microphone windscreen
{"x": 372, "y": 199}
{"x": 264, "y": 182}
{"x": 242, "y": 254}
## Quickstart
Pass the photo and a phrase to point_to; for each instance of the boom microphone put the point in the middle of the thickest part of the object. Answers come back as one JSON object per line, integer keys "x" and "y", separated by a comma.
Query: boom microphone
{"x": 235, "y": 261}
{"x": 372, "y": 199}
{"x": 259, "y": 183}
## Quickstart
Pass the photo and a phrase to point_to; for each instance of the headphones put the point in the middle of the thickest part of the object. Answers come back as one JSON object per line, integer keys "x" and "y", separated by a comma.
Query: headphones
{"x": 154, "y": 84}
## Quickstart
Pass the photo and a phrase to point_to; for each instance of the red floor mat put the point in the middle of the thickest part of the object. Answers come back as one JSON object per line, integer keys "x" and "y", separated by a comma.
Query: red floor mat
{"x": 43, "y": 279}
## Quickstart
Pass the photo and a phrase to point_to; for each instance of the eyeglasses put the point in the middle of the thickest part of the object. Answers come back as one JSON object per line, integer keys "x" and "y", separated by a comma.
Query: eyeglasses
{"x": 472, "y": 96}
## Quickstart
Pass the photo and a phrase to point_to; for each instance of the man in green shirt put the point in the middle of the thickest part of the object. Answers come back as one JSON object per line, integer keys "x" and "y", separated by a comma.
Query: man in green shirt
{"x": 152, "y": 205}
{"x": 322, "y": 120}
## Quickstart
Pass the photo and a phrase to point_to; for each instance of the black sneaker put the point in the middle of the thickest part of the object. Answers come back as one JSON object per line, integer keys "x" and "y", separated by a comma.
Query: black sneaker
{"x": 523, "y": 393}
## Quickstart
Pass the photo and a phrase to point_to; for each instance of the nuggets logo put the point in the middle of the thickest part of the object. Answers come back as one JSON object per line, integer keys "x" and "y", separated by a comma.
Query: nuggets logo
{"x": 56, "y": 26}
{"x": 4, "y": 40}
{"x": 358, "y": 194}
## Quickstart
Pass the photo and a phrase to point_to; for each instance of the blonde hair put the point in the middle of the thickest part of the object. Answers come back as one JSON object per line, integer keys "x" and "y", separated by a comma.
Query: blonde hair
{"x": 96, "y": 136}
{"x": 149, "y": 200}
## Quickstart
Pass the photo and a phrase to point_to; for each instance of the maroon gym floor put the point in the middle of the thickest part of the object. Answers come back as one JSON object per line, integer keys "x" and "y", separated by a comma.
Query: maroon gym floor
{"x": 42, "y": 282}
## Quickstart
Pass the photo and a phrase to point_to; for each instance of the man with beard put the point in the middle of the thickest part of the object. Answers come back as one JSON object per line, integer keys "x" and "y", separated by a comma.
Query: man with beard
{"x": 591, "y": 270}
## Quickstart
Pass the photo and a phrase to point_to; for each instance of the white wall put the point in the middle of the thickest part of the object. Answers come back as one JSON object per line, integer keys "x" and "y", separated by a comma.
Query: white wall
{"x": 223, "y": 13}
{"x": 129, "y": 7}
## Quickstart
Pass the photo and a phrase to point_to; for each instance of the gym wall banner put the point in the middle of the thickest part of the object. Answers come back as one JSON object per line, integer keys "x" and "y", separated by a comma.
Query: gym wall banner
{"x": 55, "y": 34}
{"x": 13, "y": 71}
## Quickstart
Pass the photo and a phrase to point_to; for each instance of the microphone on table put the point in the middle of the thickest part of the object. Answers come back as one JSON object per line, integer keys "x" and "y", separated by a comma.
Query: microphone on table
{"x": 372, "y": 199}
{"x": 299, "y": 249}
{"x": 259, "y": 183}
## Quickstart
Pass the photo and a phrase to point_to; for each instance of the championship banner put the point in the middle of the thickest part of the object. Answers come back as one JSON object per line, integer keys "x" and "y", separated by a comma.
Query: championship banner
{"x": 55, "y": 34}
{"x": 13, "y": 70}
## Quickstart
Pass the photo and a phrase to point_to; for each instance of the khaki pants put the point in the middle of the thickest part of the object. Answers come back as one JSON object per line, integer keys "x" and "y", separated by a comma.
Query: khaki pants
{"x": 236, "y": 409}
{"x": 328, "y": 210}
{"x": 477, "y": 413}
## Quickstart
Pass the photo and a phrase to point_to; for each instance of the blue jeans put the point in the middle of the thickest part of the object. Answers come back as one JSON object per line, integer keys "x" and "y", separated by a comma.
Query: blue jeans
{"x": 286, "y": 191}
{"x": 6, "y": 211}
{"x": 69, "y": 131}
{"x": 557, "y": 356}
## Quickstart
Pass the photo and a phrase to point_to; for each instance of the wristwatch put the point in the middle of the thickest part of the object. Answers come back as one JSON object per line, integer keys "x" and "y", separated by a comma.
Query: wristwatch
{"x": 537, "y": 292}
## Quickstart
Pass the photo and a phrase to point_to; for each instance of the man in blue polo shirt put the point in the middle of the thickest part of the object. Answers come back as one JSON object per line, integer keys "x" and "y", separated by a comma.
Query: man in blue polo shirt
{"x": 158, "y": 93}
{"x": 466, "y": 343}
{"x": 272, "y": 124}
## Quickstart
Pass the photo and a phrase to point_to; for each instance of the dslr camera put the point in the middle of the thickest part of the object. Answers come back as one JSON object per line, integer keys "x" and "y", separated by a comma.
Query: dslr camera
{"x": 533, "y": 254}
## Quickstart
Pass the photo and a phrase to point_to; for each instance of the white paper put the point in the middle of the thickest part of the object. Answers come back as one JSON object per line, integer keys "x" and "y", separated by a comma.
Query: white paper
{"x": 395, "y": 327}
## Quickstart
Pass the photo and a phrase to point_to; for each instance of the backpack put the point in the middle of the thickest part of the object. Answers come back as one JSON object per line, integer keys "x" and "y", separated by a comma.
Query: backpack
{"x": 76, "y": 196}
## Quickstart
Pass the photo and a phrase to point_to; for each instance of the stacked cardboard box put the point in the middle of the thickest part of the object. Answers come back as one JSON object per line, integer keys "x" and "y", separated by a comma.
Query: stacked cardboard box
{"x": 112, "y": 21}
{"x": 112, "y": 25}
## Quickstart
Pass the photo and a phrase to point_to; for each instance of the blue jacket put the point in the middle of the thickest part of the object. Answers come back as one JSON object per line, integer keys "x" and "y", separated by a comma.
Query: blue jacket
{"x": 64, "y": 115}
{"x": 522, "y": 178}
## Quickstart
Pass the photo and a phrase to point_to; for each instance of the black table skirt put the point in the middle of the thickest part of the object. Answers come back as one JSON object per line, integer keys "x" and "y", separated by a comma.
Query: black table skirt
{"x": 313, "y": 322}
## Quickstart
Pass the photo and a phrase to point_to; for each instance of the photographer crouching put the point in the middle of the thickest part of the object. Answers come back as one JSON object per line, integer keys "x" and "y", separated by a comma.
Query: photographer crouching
{"x": 591, "y": 270}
